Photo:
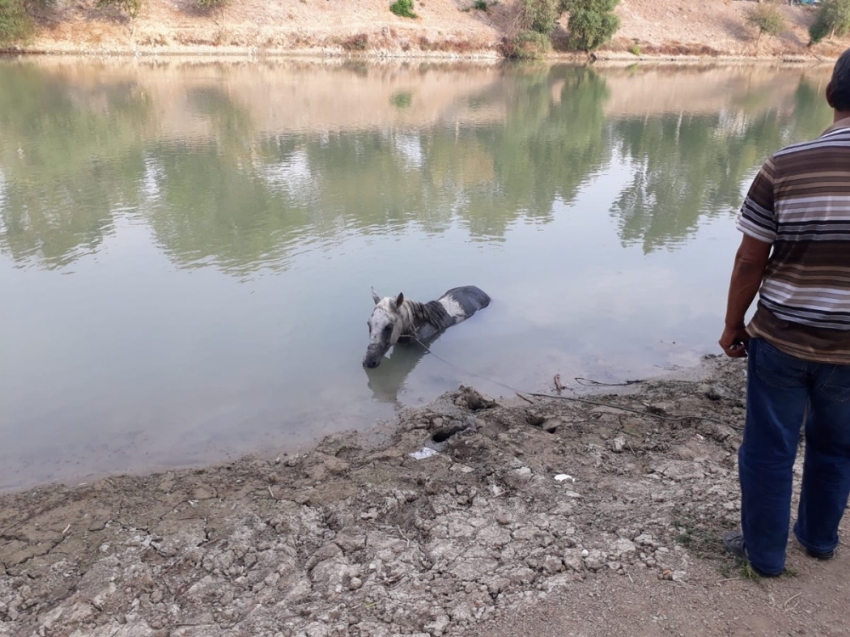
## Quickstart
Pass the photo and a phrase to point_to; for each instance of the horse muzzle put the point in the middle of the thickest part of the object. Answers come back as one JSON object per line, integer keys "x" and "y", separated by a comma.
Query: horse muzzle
{"x": 374, "y": 355}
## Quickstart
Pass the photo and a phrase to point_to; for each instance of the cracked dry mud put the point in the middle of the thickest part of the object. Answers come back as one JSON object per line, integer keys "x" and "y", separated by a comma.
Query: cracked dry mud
{"x": 368, "y": 541}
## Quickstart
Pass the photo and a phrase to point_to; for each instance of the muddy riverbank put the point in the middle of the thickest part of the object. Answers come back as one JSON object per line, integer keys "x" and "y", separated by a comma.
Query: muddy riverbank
{"x": 520, "y": 504}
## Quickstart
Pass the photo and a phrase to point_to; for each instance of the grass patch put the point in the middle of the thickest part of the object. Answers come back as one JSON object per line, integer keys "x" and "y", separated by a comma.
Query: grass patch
{"x": 699, "y": 537}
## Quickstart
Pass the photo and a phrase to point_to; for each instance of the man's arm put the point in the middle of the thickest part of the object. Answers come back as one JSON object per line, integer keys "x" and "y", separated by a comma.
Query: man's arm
{"x": 747, "y": 273}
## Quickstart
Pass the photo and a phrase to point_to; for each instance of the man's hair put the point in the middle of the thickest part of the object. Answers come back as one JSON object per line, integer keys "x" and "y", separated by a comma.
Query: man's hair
{"x": 840, "y": 84}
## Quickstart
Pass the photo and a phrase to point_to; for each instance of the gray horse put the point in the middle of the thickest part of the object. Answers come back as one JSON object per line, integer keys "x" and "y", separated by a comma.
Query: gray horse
{"x": 397, "y": 319}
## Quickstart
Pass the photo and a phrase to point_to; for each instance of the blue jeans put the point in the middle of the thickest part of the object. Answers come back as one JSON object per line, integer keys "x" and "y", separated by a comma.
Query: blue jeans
{"x": 782, "y": 392}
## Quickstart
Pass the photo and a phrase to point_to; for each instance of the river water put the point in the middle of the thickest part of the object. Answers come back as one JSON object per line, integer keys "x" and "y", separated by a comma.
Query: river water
{"x": 187, "y": 247}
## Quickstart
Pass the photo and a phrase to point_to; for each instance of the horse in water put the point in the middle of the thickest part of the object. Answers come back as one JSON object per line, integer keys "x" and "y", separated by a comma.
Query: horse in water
{"x": 397, "y": 319}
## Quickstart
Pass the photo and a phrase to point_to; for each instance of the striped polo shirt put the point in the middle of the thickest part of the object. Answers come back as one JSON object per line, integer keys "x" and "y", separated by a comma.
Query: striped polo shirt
{"x": 800, "y": 203}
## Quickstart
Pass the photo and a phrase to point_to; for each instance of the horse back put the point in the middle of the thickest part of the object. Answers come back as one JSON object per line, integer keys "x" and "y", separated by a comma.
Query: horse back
{"x": 468, "y": 299}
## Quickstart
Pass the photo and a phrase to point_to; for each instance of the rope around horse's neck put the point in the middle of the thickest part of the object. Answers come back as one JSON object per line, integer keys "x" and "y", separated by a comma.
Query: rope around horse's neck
{"x": 522, "y": 394}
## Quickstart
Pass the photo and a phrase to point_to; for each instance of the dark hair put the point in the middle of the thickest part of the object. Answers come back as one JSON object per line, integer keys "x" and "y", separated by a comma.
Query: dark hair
{"x": 839, "y": 87}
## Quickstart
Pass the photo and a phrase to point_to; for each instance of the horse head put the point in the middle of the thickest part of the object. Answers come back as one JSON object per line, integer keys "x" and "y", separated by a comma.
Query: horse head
{"x": 385, "y": 327}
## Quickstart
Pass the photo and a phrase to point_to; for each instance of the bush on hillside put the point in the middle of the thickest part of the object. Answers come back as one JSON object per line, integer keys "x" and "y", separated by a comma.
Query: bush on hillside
{"x": 210, "y": 5}
{"x": 15, "y": 22}
{"x": 767, "y": 18}
{"x": 592, "y": 22}
{"x": 403, "y": 8}
{"x": 539, "y": 16}
{"x": 130, "y": 8}
{"x": 527, "y": 45}
{"x": 833, "y": 18}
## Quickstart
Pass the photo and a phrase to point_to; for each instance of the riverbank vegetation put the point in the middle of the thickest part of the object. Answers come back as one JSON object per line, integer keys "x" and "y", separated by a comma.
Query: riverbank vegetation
{"x": 833, "y": 18}
{"x": 523, "y": 29}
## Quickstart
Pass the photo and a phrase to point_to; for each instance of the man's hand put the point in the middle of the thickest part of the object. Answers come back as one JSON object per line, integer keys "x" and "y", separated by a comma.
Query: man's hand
{"x": 750, "y": 264}
{"x": 734, "y": 341}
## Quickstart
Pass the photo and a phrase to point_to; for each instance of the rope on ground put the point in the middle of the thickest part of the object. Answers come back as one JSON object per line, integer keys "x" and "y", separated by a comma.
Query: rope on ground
{"x": 589, "y": 382}
{"x": 597, "y": 403}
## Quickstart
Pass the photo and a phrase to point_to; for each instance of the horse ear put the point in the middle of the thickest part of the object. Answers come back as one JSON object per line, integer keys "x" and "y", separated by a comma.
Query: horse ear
{"x": 375, "y": 297}
{"x": 399, "y": 300}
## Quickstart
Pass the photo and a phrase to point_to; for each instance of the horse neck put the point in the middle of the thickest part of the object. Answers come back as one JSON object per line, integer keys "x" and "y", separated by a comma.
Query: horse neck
{"x": 416, "y": 315}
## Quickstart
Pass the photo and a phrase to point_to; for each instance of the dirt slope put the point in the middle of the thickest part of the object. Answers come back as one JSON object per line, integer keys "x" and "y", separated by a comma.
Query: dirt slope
{"x": 443, "y": 28}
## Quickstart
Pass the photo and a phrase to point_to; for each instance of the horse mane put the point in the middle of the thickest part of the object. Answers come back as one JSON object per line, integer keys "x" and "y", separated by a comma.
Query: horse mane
{"x": 414, "y": 315}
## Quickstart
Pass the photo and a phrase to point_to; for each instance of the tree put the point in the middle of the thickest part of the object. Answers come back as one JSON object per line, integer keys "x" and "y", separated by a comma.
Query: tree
{"x": 832, "y": 19}
{"x": 592, "y": 22}
{"x": 15, "y": 21}
{"x": 767, "y": 19}
{"x": 540, "y": 16}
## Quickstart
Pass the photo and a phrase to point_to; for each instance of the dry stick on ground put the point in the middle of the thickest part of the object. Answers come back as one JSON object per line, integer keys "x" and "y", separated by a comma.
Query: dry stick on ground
{"x": 571, "y": 398}
{"x": 558, "y": 384}
{"x": 633, "y": 411}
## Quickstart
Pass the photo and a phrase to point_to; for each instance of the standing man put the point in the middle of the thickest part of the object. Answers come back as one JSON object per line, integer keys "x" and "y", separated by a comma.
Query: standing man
{"x": 796, "y": 254}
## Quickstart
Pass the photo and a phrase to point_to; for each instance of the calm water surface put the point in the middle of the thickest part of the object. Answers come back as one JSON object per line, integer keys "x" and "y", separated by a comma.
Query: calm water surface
{"x": 186, "y": 250}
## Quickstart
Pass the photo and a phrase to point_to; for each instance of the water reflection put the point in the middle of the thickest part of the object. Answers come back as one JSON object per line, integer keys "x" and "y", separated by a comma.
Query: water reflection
{"x": 70, "y": 158}
{"x": 687, "y": 166}
{"x": 223, "y": 224}
{"x": 225, "y": 173}
{"x": 387, "y": 381}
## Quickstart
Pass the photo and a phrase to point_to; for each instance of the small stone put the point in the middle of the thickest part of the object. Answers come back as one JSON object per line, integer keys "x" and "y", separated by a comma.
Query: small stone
{"x": 552, "y": 564}
{"x": 623, "y": 548}
{"x": 302, "y": 498}
{"x": 504, "y": 518}
{"x": 595, "y": 560}
{"x": 355, "y": 583}
{"x": 645, "y": 539}
{"x": 618, "y": 444}
{"x": 679, "y": 576}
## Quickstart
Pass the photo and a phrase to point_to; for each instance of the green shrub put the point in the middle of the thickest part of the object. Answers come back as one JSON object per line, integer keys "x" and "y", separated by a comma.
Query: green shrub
{"x": 590, "y": 30}
{"x": 592, "y": 22}
{"x": 539, "y": 16}
{"x": 527, "y": 45}
{"x": 403, "y": 8}
{"x": 15, "y": 22}
{"x": 635, "y": 50}
{"x": 833, "y": 18}
{"x": 767, "y": 19}
{"x": 480, "y": 5}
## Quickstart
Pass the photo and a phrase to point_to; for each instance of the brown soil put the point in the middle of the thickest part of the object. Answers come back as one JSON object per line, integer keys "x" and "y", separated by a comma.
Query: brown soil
{"x": 481, "y": 538}
{"x": 443, "y": 28}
